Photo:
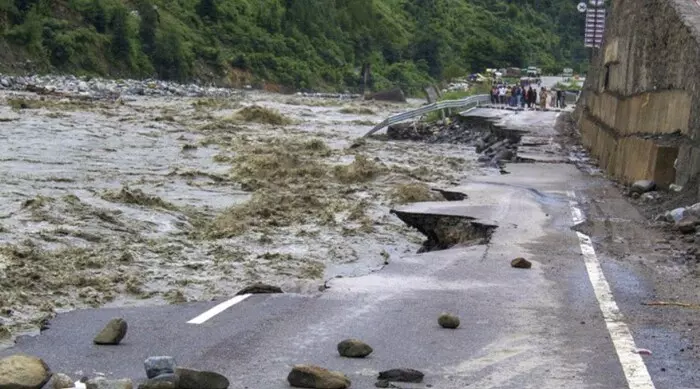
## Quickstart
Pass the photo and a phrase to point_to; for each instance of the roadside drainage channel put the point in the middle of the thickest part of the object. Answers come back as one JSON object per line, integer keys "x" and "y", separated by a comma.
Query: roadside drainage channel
{"x": 447, "y": 231}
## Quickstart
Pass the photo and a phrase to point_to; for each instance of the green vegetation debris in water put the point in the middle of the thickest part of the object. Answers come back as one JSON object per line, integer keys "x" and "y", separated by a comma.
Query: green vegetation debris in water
{"x": 413, "y": 193}
{"x": 293, "y": 182}
{"x": 262, "y": 115}
{"x": 137, "y": 197}
{"x": 357, "y": 111}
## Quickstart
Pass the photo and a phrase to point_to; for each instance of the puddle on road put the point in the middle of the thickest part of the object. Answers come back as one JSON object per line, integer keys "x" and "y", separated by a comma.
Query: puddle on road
{"x": 174, "y": 199}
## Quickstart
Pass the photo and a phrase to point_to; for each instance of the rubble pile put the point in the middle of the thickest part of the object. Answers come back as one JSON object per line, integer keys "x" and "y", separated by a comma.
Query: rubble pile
{"x": 494, "y": 144}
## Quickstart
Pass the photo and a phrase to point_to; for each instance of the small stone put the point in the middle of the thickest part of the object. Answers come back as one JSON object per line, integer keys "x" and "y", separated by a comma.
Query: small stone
{"x": 382, "y": 384}
{"x": 196, "y": 379}
{"x": 521, "y": 263}
{"x": 103, "y": 383}
{"x": 309, "y": 376}
{"x": 260, "y": 288}
{"x": 353, "y": 348}
{"x": 23, "y": 372}
{"x": 62, "y": 381}
{"x": 112, "y": 333}
{"x": 447, "y": 320}
{"x": 156, "y": 366}
{"x": 402, "y": 375}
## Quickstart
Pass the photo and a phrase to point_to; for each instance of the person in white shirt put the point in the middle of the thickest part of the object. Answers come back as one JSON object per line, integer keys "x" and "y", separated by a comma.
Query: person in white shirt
{"x": 502, "y": 94}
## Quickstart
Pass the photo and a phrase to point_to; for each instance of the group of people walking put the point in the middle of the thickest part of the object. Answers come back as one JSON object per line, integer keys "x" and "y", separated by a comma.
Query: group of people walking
{"x": 517, "y": 96}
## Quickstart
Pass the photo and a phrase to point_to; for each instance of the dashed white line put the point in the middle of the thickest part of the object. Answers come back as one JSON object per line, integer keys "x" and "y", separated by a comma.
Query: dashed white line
{"x": 218, "y": 309}
{"x": 632, "y": 363}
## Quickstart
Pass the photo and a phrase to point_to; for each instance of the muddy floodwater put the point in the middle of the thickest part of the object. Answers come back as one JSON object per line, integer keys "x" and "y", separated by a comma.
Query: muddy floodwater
{"x": 168, "y": 199}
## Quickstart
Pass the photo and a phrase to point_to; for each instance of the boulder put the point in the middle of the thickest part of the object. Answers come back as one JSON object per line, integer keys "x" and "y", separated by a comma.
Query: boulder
{"x": 447, "y": 320}
{"x": 196, "y": 379}
{"x": 694, "y": 210}
{"x": 23, "y": 372}
{"x": 382, "y": 384}
{"x": 688, "y": 224}
{"x": 650, "y": 196}
{"x": 309, "y": 376}
{"x": 520, "y": 263}
{"x": 156, "y": 366}
{"x": 103, "y": 383}
{"x": 675, "y": 215}
{"x": 167, "y": 377}
{"x": 402, "y": 375}
{"x": 675, "y": 188}
{"x": 503, "y": 155}
{"x": 395, "y": 94}
{"x": 62, "y": 381}
{"x": 642, "y": 186}
{"x": 112, "y": 333}
{"x": 154, "y": 384}
{"x": 353, "y": 348}
{"x": 260, "y": 288}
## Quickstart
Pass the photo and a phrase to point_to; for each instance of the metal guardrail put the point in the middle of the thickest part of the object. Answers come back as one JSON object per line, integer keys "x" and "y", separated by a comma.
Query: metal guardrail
{"x": 469, "y": 102}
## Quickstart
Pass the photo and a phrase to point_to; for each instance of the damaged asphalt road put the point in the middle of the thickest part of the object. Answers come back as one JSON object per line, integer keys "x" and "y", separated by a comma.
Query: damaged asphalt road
{"x": 542, "y": 327}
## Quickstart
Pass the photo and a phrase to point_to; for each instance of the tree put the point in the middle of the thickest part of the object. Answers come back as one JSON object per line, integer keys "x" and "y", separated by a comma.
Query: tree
{"x": 97, "y": 16}
{"x": 149, "y": 25}
{"x": 121, "y": 45}
{"x": 171, "y": 58}
{"x": 207, "y": 9}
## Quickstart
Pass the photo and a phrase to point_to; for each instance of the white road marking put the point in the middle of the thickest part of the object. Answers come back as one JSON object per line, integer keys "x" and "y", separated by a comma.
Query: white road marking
{"x": 218, "y": 309}
{"x": 632, "y": 363}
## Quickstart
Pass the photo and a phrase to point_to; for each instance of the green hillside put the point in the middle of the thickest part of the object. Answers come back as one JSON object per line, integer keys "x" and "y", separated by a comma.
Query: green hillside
{"x": 315, "y": 44}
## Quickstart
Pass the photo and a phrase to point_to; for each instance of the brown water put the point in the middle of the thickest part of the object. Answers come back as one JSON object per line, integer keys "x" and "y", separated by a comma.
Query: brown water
{"x": 105, "y": 204}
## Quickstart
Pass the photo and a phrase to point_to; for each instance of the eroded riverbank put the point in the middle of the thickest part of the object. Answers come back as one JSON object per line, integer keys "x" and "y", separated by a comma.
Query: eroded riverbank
{"x": 145, "y": 199}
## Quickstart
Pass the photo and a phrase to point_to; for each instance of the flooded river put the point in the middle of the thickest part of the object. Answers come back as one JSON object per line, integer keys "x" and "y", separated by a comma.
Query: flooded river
{"x": 152, "y": 199}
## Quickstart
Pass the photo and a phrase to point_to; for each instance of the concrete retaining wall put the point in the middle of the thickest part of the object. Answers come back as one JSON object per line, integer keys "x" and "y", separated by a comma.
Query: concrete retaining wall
{"x": 640, "y": 108}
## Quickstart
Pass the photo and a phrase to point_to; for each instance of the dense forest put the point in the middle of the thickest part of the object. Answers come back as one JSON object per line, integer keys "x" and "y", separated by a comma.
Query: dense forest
{"x": 305, "y": 44}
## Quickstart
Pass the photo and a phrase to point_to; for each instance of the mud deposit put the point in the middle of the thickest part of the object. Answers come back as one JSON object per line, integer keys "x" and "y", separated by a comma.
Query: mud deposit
{"x": 152, "y": 199}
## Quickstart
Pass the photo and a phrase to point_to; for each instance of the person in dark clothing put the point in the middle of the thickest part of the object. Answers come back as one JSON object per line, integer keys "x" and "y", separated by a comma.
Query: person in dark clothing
{"x": 559, "y": 98}
{"x": 529, "y": 98}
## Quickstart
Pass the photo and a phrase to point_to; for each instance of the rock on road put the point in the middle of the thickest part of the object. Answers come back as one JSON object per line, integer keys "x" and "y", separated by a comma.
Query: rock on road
{"x": 520, "y": 328}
